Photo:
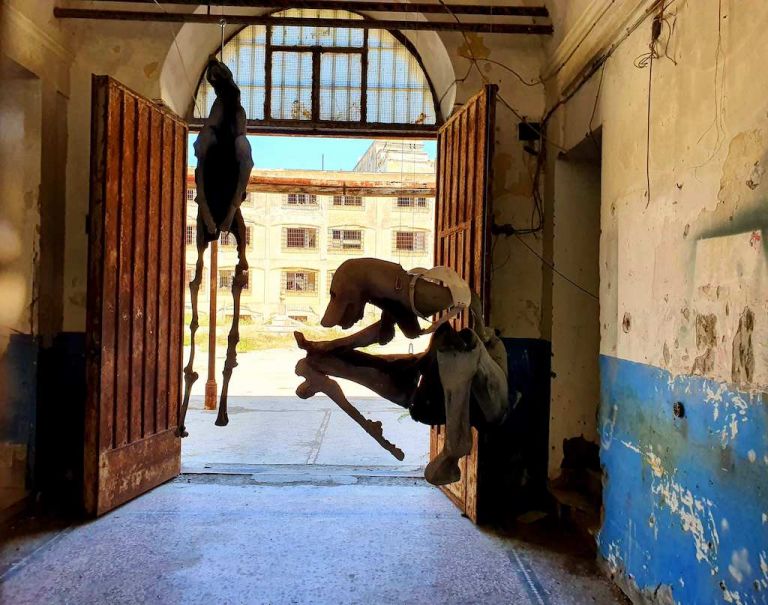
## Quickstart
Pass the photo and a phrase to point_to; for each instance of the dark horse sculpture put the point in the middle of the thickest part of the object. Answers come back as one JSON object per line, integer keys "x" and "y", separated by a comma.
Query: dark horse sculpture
{"x": 224, "y": 166}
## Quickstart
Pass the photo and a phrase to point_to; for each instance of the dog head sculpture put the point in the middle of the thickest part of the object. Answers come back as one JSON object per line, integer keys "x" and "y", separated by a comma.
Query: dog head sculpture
{"x": 348, "y": 298}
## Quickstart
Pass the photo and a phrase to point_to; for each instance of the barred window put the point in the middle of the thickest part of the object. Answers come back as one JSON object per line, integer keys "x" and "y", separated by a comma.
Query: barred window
{"x": 348, "y": 200}
{"x": 299, "y": 282}
{"x": 411, "y": 202}
{"x": 346, "y": 239}
{"x": 191, "y": 193}
{"x": 191, "y": 236}
{"x": 300, "y": 238}
{"x": 410, "y": 241}
{"x": 301, "y": 199}
{"x": 227, "y": 276}
{"x": 190, "y": 274}
{"x": 311, "y": 74}
{"x": 228, "y": 239}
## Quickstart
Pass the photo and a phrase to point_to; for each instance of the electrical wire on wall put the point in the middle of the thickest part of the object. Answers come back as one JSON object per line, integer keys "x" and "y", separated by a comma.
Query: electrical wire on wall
{"x": 537, "y": 214}
{"x": 175, "y": 42}
{"x": 719, "y": 96}
{"x": 641, "y": 62}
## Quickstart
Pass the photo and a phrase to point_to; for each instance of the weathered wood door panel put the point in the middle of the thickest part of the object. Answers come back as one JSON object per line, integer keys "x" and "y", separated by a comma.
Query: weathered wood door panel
{"x": 135, "y": 296}
{"x": 463, "y": 216}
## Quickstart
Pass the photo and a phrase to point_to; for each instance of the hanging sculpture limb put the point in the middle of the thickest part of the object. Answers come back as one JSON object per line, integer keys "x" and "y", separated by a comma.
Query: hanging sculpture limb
{"x": 224, "y": 165}
{"x": 190, "y": 376}
{"x": 315, "y": 382}
{"x": 460, "y": 371}
{"x": 239, "y": 282}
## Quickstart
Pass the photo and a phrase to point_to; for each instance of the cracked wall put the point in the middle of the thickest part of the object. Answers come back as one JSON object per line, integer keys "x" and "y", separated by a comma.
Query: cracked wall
{"x": 683, "y": 305}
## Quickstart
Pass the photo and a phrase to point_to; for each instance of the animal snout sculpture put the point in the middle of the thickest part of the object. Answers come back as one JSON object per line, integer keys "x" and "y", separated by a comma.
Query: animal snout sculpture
{"x": 460, "y": 372}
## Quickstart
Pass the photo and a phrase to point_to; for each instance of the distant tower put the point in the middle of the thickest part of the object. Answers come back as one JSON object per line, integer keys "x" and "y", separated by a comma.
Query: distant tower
{"x": 396, "y": 156}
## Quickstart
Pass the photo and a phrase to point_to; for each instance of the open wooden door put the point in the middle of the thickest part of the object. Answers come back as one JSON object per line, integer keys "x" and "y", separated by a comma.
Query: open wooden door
{"x": 463, "y": 216}
{"x": 135, "y": 296}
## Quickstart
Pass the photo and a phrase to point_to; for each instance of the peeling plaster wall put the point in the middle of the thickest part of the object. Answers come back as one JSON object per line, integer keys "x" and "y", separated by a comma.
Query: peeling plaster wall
{"x": 34, "y": 78}
{"x": 683, "y": 305}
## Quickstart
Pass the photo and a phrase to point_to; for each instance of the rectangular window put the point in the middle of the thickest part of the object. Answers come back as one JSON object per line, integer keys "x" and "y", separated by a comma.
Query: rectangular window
{"x": 354, "y": 201}
{"x": 226, "y": 276}
{"x": 300, "y": 282}
{"x": 299, "y": 238}
{"x": 191, "y": 235}
{"x": 410, "y": 241}
{"x": 301, "y": 199}
{"x": 411, "y": 202}
{"x": 291, "y": 96}
{"x": 346, "y": 239}
{"x": 191, "y": 193}
{"x": 191, "y": 275}
{"x": 228, "y": 239}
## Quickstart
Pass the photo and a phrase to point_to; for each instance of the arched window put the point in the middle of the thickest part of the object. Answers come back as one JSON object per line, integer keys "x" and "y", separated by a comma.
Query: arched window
{"x": 347, "y": 78}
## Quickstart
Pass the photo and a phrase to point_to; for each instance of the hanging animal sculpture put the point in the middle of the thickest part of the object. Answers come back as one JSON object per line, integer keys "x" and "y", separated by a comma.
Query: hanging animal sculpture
{"x": 459, "y": 381}
{"x": 224, "y": 164}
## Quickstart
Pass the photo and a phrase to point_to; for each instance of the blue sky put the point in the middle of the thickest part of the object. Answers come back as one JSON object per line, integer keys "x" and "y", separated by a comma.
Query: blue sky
{"x": 306, "y": 153}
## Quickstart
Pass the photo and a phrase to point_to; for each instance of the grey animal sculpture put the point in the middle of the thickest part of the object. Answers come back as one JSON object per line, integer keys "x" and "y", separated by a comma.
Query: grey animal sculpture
{"x": 224, "y": 165}
{"x": 459, "y": 381}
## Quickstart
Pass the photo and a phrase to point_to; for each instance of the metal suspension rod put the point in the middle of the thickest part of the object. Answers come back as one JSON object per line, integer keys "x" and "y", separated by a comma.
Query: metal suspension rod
{"x": 487, "y": 28}
{"x": 368, "y": 6}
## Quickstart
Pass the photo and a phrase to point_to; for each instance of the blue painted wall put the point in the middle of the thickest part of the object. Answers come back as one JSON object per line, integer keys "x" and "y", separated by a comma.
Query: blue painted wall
{"x": 685, "y": 499}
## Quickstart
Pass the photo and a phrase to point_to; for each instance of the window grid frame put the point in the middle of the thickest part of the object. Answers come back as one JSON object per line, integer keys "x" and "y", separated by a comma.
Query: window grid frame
{"x": 337, "y": 244}
{"x": 412, "y": 202}
{"x": 419, "y": 239}
{"x": 341, "y": 201}
{"x": 311, "y": 200}
{"x": 228, "y": 273}
{"x": 317, "y": 50}
{"x": 310, "y": 277}
{"x": 307, "y": 235}
{"x": 227, "y": 238}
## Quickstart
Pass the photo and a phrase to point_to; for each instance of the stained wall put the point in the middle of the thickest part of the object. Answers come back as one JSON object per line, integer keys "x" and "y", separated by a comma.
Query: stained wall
{"x": 683, "y": 296}
{"x": 34, "y": 80}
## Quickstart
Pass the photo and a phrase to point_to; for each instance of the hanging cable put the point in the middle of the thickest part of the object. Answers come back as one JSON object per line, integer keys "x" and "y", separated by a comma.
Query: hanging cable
{"x": 222, "y": 24}
{"x": 181, "y": 59}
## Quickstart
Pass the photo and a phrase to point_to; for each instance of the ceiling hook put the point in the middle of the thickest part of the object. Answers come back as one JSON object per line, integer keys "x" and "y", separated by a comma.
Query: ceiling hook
{"x": 222, "y": 24}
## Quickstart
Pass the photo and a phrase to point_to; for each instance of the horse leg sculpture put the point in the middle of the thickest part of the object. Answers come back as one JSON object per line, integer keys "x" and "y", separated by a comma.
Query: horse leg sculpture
{"x": 239, "y": 281}
{"x": 190, "y": 376}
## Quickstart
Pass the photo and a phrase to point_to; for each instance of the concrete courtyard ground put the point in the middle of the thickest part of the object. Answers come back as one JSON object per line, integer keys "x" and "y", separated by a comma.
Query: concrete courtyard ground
{"x": 268, "y": 424}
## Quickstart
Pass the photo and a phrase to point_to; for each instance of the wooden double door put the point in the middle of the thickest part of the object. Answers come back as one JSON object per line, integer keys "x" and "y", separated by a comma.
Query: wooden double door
{"x": 136, "y": 282}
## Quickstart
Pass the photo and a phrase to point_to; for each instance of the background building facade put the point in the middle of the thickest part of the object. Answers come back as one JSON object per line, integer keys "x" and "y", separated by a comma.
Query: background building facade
{"x": 299, "y": 233}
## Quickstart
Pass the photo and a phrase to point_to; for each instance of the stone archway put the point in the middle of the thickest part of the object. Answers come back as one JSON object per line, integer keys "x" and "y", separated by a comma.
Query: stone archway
{"x": 186, "y": 60}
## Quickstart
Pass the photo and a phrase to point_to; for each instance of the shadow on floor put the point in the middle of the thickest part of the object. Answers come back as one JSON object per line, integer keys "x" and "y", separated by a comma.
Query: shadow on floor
{"x": 336, "y": 537}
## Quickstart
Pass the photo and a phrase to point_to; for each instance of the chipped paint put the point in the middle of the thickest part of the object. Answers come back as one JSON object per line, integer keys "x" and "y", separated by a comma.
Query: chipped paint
{"x": 695, "y": 515}
{"x": 684, "y": 502}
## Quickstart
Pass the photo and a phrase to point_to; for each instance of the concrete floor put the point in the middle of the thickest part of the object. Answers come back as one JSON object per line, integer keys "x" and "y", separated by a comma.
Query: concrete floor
{"x": 289, "y": 430}
{"x": 365, "y": 538}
